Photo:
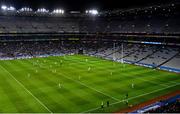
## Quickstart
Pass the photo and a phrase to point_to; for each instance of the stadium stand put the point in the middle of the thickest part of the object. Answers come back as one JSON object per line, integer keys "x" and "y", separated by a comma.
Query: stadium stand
{"x": 146, "y": 55}
{"x": 169, "y": 106}
{"x": 153, "y": 20}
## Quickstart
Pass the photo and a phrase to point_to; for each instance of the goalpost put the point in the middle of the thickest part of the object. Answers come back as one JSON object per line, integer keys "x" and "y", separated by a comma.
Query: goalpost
{"x": 122, "y": 53}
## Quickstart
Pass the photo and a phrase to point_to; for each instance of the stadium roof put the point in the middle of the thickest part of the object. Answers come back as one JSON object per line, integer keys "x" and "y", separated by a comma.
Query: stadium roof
{"x": 82, "y": 4}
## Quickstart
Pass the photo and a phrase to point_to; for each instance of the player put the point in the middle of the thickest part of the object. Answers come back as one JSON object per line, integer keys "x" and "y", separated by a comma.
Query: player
{"x": 127, "y": 103}
{"x": 29, "y": 75}
{"x": 79, "y": 77}
{"x": 107, "y": 103}
{"x": 61, "y": 62}
{"x": 102, "y": 104}
{"x": 60, "y": 86}
{"x": 111, "y": 73}
{"x": 127, "y": 95}
{"x": 132, "y": 85}
{"x": 89, "y": 68}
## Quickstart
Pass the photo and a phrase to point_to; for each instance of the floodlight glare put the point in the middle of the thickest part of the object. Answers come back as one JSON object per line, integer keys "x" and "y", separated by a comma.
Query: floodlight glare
{"x": 25, "y": 9}
{"x": 58, "y": 11}
{"x": 92, "y": 12}
{"x": 42, "y": 10}
{"x": 6, "y": 8}
{"x": 11, "y": 8}
{"x": 3, "y": 7}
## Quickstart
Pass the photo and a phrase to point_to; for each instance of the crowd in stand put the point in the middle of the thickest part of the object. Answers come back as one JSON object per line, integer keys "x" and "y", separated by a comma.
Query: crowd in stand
{"x": 139, "y": 53}
{"x": 168, "y": 108}
{"x": 157, "y": 20}
{"x": 25, "y": 49}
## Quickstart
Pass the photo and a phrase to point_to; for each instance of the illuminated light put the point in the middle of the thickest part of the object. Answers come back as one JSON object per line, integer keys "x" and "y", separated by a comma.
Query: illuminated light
{"x": 92, "y": 12}
{"x": 58, "y": 11}
{"x": 42, "y": 10}
{"x": 11, "y": 8}
{"x": 3, "y": 7}
{"x": 25, "y": 9}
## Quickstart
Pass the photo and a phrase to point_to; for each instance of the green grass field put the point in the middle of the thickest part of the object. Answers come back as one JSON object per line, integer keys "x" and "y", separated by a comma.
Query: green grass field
{"x": 78, "y": 84}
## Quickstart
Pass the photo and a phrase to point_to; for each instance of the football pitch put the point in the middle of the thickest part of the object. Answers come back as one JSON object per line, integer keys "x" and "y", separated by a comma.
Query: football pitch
{"x": 77, "y": 83}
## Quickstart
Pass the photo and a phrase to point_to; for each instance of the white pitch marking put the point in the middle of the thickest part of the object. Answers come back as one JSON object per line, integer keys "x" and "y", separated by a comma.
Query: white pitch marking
{"x": 27, "y": 90}
{"x": 165, "y": 85}
{"x": 89, "y": 87}
{"x": 93, "y": 109}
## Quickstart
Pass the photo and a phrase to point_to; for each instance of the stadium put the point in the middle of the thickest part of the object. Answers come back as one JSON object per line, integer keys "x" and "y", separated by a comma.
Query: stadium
{"x": 125, "y": 59}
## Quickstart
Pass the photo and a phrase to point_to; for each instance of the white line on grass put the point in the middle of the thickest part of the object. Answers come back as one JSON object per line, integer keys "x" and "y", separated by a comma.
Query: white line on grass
{"x": 27, "y": 90}
{"x": 140, "y": 78}
{"x": 116, "y": 99}
{"x": 89, "y": 87}
{"x": 93, "y": 109}
{"x": 168, "y": 81}
{"x": 165, "y": 85}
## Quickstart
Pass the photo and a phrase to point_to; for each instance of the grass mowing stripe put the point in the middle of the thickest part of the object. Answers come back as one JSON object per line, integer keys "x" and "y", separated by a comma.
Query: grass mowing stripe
{"x": 153, "y": 82}
{"x": 26, "y": 89}
{"x": 83, "y": 84}
{"x": 139, "y": 79}
{"x": 60, "y": 74}
{"x": 95, "y": 90}
{"x": 71, "y": 97}
{"x": 133, "y": 97}
{"x": 86, "y": 86}
{"x": 51, "y": 98}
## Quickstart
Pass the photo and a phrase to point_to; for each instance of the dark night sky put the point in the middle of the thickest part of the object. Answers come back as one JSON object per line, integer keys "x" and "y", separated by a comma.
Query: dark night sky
{"x": 84, "y": 4}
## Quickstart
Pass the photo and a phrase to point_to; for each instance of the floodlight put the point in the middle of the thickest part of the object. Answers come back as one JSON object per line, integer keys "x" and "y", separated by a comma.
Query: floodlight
{"x": 6, "y": 8}
{"x": 92, "y": 12}
{"x": 58, "y": 11}
{"x": 11, "y": 8}
{"x": 42, "y": 10}
{"x": 25, "y": 9}
{"x": 3, "y": 7}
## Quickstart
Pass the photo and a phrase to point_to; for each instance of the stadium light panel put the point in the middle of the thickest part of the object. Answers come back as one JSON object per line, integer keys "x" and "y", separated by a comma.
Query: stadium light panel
{"x": 42, "y": 10}
{"x": 6, "y": 8}
{"x": 92, "y": 12}
{"x": 58, "y": 11}
{"x": 11, "y": 8}
{"x": 26, "y": 9}
{"x": 3, "y": 7}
